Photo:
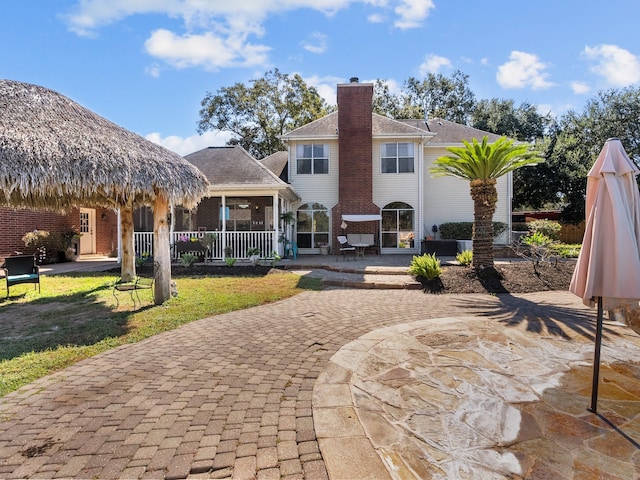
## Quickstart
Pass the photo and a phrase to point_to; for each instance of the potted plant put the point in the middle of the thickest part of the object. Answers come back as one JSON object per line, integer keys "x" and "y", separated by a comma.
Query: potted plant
{"x": 72, "y": 243}
{"x": 324, "y": 248}
{"x": 254, "y": 255}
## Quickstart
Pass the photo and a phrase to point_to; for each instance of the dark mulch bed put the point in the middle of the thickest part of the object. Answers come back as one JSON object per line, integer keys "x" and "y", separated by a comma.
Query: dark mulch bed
{"x": 516, "y": 277}
{"x": 223, "y": 270}
{"x": 210, "y": 270}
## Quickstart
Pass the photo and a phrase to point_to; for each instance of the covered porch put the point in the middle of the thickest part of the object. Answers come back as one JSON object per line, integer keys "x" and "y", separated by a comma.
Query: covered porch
{"x": 220, "y": 227}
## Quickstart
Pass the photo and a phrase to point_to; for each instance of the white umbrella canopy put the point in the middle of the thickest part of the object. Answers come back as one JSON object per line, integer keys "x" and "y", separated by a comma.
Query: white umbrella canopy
{"x": 609, "y": 261}
{"x": 608, "y": 268}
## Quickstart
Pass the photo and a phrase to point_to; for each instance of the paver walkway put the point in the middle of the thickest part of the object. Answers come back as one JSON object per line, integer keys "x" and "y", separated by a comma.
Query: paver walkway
{"x": 231, "y": 396}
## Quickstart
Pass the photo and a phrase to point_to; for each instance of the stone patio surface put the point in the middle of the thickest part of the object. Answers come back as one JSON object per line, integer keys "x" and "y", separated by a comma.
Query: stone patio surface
{"x": 343, "y": 384}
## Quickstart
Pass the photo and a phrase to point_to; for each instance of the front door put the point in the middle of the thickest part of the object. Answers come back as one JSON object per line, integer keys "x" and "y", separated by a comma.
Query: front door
{"x": 88, "y": 231}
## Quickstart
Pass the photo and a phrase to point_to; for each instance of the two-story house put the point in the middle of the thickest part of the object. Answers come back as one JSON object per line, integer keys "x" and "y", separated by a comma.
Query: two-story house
{"x": 352, "y": 173}
{"x": 358, "y": 172}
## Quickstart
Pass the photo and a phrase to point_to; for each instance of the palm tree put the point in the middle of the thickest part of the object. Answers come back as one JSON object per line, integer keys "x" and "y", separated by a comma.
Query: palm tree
{"x": 480, "y": 164}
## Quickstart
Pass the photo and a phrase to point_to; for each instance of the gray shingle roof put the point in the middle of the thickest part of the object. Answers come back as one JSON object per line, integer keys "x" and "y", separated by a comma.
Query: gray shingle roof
{"x": 444, "y": 132}
{"x": 449, "y": 133}
{"x": 276, "y": 162}
{"x": 327, "y": 127}
{"x": 232, "y": 165}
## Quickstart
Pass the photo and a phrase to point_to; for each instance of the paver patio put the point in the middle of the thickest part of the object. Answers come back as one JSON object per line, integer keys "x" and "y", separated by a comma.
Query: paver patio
{"x": 232, "y": 396}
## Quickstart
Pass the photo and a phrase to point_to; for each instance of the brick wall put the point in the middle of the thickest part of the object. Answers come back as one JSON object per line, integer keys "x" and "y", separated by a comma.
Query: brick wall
{"x": 356, "y": 156}
{"x": 106, "y": 232}
{"x": 15, "y": 222}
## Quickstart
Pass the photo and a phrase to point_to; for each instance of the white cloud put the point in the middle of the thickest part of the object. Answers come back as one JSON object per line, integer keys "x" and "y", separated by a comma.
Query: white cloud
{"x": 220, "y": 34}
{"x": 523, "y": 70}
{"x": 186, "y": 145}
{"x": 376, "y": 18}
{"x": 206, "y": 50}
{"x": 433, "y": 64}
{"x": 619, "y": 67}
{"x": 580, "y": 88}
{"x": 326, "y": 87}
{"x": 412, "y": 13}
{"x": 394, "y": 87}
{"x": 316, "y": 44}
{"x": 153, "y": 70}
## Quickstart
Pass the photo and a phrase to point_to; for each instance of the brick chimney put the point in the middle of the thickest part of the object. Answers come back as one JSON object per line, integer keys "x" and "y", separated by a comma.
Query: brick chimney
{"x": 355, "y": 187}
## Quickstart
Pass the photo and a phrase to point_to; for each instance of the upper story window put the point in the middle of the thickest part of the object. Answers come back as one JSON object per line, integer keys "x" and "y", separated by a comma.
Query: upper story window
{"x": 312, "y": 159}
{"x": 397, "y": 158}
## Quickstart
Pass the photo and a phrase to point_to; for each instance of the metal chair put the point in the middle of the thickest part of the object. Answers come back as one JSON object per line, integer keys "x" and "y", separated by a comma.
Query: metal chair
{"x": 143, "y": 281}
{"x": 345, "y": 248}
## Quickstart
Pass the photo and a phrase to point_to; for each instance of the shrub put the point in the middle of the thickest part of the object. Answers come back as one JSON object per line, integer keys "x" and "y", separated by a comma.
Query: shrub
{"x": 188, "y": 259}
{"x": 464, "y": 230}
{"x": 427, "y": 266}
{"x": 230, "y": 261}
{"x": 465, "y": 257}
{"x": 566, "y": 250}
{"x": 142, "y": 259}
{"x": 548, "y": 228}
{"x": 536, "y": 239}
{"x": 45, "y": 246}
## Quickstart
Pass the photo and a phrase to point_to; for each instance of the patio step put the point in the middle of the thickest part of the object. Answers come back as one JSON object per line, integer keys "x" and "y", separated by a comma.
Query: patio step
{"x": 369, "y": 277}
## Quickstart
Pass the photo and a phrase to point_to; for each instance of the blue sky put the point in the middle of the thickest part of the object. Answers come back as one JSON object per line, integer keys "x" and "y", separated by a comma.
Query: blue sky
{"x": 147, "y": 64}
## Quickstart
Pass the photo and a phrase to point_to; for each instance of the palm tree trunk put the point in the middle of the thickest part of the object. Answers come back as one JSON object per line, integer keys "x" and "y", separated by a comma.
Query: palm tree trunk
{"x": 485, "y": 197}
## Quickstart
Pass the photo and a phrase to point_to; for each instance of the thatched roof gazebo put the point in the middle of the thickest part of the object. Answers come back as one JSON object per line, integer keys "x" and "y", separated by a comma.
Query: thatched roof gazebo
{"x": 56, "y": 154}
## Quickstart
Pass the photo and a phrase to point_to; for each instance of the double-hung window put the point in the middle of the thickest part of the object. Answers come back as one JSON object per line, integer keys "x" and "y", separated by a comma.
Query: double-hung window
{"x": 397, "y": 157}
{"x": 312, "y": 159}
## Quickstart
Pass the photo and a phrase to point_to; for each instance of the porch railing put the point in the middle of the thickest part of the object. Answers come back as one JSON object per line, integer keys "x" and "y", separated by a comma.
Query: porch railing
{"x": 236, "y": 243}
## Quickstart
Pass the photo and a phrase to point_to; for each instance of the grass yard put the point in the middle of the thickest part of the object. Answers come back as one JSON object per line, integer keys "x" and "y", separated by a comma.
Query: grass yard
{"x": 75, "y": 316}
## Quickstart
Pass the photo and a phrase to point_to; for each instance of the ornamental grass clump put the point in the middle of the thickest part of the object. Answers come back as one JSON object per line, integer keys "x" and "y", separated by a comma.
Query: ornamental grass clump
{"x": 465, "y": 258}
{"x": 426, "y": 266}
{"x": 188, "y": 259}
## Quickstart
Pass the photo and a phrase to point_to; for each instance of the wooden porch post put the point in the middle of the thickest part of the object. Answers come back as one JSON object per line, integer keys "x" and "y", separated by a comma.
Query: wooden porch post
{"x": 161, "y": 249}
{"x": 128, "y": 254}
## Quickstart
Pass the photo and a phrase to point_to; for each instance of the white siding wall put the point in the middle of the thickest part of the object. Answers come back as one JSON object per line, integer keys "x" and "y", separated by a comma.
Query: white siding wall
{"x": 316, "y": 188}
{"x": 447, "y": 199}
{"x": 396, "y": 187}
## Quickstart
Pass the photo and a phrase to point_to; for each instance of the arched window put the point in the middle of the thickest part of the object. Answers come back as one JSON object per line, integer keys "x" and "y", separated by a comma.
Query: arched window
{"x": 312, "y": 224}
{"x": 398, "y": 225}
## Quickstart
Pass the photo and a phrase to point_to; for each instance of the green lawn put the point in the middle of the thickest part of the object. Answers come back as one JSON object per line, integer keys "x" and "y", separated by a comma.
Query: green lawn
{"x": 75, "y": 316}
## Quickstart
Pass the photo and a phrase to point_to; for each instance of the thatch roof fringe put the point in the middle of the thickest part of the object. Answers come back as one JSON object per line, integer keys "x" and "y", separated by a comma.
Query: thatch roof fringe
{"x": 57, "y": 154}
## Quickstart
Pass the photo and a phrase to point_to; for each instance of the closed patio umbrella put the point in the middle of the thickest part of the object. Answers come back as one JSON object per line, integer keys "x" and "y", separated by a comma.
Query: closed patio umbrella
{"x": 608, "y": 268}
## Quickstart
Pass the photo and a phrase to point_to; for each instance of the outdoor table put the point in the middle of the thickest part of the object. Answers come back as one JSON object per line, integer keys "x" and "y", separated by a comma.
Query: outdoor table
{"x": 360, "y": 248}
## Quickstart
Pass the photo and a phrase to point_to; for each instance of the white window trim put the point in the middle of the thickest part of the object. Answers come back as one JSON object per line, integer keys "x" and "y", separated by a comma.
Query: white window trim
{"x": 397, "y": 158}
{"x": 327, "y": 156}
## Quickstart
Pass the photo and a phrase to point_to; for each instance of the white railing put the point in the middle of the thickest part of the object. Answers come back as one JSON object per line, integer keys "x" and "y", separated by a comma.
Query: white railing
{"x": 235, "y": 243}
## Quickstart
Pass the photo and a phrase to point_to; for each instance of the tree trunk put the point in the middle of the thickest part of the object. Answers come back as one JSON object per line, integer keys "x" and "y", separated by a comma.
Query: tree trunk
{"x": 128, "y": 261}
{"x": 161, "y": 250}
{"x": 485, "y": 197}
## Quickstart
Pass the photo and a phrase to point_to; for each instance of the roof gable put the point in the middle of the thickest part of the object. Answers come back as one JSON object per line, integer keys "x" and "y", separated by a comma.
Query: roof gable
{"x": 232, "y": 165}
{"x": 277, "y": 163}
